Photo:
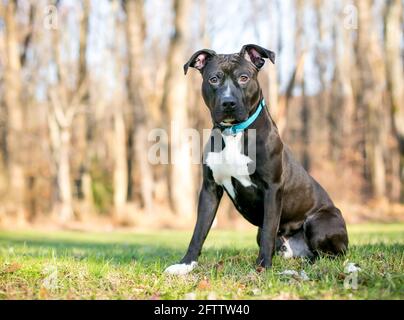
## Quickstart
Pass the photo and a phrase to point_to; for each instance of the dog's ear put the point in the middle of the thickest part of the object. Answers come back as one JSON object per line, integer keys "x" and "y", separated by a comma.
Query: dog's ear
{"x": 199, "y": 59}
{"x": 256, "y": 54}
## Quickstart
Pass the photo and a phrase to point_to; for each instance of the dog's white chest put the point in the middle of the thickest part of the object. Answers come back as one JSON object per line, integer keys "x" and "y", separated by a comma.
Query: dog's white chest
{"x": 228, "y": 163}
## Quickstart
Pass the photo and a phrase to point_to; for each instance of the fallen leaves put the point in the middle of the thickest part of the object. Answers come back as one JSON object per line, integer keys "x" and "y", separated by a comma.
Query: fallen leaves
{"x": 341, "y": 276}
{"x": 204, "y": 284}
{"x": 43, "y": 293}
{"x": 260, "y": 269}
{"x": 12, "y": 267}
{"x": 219, "y": 266}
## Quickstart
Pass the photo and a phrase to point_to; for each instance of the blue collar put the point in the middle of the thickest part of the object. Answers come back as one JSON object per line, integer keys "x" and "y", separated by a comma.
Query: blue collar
{"x": 231, "y": 130}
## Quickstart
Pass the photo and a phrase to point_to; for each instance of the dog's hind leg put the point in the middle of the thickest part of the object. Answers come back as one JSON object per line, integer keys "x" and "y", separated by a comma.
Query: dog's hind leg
{"x": 325, "y": 232}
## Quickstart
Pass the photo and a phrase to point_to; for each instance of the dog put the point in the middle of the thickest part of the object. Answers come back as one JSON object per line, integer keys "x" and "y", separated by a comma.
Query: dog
{"x": 293, "y": 213}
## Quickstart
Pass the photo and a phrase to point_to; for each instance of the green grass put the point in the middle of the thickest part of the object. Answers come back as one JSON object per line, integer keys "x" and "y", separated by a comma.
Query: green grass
{"x": 128, "y": 265}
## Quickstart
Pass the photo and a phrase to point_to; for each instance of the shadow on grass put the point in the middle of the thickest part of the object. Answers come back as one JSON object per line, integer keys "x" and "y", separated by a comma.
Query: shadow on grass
{"x": 149, "y": 253}
{"x": 114, "y": 252}
{"x": 376, "y": 248}
{"x": 81, "y": 250}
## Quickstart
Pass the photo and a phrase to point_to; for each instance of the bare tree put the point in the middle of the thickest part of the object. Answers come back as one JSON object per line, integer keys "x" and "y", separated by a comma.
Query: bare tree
{"x": 136, "y": 35}
{"x": 120, "y": 170}
{"x": 369, "y": 59}
{"x": 279, "y": 104}
{"x": 66, "y": 102}
{"x": 13, "y": 89}
{"x": 300, "y": 37}
{"x": 395, "y": 82}
{"x": 273, "y": 88}
{"x": 175, "y": 103}
{"x": 342, "y": 102}
{"x": 119, "y": 135}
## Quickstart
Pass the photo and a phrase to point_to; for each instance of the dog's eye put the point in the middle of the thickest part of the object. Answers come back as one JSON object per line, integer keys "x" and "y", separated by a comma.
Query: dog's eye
{"x": 243, "y": 79}
{"x": 213, "y": 80}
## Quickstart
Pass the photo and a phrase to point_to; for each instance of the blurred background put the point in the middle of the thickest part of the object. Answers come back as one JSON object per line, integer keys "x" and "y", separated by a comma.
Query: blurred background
{"x": 82, "y": 84}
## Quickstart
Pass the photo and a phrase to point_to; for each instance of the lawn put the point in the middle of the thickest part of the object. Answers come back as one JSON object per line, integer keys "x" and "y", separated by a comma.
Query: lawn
{"x": 129, "y": 265}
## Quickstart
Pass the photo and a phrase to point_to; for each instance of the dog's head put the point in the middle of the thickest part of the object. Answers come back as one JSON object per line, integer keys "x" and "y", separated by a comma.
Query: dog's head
{"x": 230, "y": 86}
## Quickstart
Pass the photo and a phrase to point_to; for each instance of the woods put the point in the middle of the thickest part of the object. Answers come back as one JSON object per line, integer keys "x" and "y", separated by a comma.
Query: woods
{"x": 83, "y": 83}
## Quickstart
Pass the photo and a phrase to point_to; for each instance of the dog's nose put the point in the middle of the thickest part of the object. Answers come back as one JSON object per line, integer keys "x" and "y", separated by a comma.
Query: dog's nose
{"x": 228, "y": 103}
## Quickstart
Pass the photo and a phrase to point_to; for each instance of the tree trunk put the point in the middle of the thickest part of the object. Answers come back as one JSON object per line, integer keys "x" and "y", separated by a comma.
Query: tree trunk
{"x": 300, "y": 37}
{"x": 12, "y": 99}
{"x": 395, "y": 84}
{"x": 65, "y": 210}
{"x": 345, "y": 67}
{"x": 283, "y": 103}
{"x": 342, "y": 96}
{"x": 120, "y": 175}
{"x": 273, "y": 88}
{"x": 66, "y": 99}
{"x": 322, "y": 57}
{"x": 181, "y": 184}
{"x": 370, "y": 94}
{"x": 305, "y": 118}
{"x": 87, "y": 123}
{"x": 60, "y": 138}
{"x": 135, "y": 33}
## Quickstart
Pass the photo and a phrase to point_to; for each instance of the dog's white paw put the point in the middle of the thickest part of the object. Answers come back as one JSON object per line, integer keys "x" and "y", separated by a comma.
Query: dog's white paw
{"x": 181, "y": 268}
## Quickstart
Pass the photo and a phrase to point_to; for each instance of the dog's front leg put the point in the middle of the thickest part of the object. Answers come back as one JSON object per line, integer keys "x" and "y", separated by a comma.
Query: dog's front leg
{"x": 209, "y": 199}
{"x": 272, "y": 214}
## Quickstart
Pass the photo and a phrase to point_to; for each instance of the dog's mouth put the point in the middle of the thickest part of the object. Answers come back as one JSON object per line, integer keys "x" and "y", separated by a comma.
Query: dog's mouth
{"x": 229, "y": 121}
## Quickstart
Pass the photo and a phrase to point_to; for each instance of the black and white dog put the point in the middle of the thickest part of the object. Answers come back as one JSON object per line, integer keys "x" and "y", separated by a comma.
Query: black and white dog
{"x": 293, "y": 213}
